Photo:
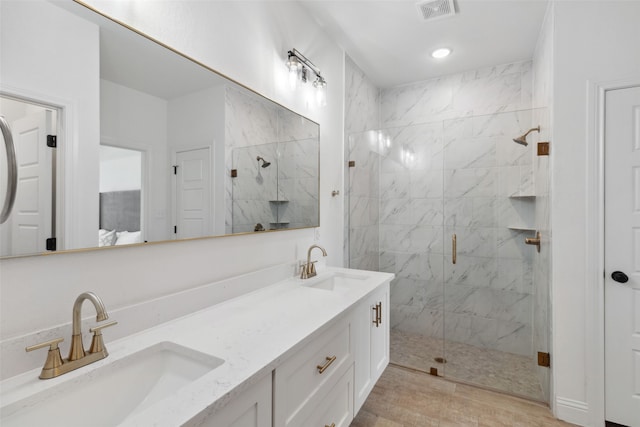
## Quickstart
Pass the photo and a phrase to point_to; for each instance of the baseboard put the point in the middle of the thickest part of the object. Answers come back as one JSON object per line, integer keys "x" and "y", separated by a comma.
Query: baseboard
{"x": 572, "y": 411}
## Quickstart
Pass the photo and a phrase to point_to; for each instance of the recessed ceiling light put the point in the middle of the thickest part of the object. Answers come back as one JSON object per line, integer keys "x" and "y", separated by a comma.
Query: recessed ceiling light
{"x": 441, "y": 53}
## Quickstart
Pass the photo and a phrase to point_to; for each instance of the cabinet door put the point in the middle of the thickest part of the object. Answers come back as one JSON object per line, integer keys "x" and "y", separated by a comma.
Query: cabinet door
{"x": 380, "y": 334}
{"x": 371, "y": 347}
{"x": 252, "y": 408}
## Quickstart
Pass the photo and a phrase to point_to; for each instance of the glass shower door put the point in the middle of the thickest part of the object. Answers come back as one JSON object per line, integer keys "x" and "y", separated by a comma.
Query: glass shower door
{"x": 489, "y": 206}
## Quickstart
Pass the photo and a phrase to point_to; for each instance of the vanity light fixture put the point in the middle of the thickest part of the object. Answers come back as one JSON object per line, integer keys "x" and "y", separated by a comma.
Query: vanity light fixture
{"x": 299, "y": 71}
{"x": 441, "y": 53}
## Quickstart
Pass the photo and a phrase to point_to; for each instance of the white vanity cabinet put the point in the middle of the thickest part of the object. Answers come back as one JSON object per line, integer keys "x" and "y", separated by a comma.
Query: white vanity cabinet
{"x": 251, "y": 408}
{"x": 371, "y": 344}
{"x": 314, "y": 377}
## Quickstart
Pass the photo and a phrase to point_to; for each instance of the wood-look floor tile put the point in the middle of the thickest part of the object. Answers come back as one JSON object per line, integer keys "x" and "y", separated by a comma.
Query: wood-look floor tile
{"x": 406, "y": 398}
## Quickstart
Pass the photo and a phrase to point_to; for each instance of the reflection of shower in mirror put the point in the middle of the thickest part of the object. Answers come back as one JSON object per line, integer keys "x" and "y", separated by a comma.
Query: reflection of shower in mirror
{"x": 265, "y": 164}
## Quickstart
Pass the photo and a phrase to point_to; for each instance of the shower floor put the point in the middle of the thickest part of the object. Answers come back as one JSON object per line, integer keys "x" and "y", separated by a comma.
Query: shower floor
{"x": 496, "y": 370}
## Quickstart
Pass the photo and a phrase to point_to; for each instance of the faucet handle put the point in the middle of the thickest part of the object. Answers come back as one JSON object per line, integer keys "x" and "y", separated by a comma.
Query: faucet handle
{"x": 97, "y": 330}
{"x": 97, "y": 343}
{"x": 53, "y": 345}
{"x": 54, "y": 360}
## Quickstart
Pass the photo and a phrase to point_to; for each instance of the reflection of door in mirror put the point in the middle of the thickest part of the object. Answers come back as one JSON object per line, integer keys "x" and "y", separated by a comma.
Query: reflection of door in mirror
{"x": 121, "y": 196}
{"x": 192, "y": 173}
{"x": 31, "y": 226}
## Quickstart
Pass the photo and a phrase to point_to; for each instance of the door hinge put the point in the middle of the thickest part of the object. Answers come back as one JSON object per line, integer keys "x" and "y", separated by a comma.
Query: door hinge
{"x": 175, "y": 169}
{"x": 433, "y": 371}
{"x": 352, "y": 163}
{"x": 175, "y": 229}
{"x": 544, "y": 359}
{"x": 234, "y": 173}
{"x": 51, "y": 244}
{"x": 52, "y": 141}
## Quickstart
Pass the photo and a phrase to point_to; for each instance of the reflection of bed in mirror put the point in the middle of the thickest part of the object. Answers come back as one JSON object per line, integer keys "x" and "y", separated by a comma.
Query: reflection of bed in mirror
{"x": 119, "y": 218}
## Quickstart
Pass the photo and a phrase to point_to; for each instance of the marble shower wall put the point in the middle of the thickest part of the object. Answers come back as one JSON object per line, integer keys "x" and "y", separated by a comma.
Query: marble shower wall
{"x": 362, "y": 114}
{"x": 284, "y": 194}
{"x": 452, "y": 167}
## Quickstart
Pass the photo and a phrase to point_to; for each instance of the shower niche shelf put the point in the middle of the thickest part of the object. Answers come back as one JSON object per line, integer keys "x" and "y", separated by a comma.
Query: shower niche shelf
{"x": 523, "y": 196}
{"x": 278, "y": 201}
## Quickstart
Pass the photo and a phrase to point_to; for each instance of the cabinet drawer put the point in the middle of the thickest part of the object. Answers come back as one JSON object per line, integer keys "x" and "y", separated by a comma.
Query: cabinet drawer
{"x": 304, "y": 378}
{"x": 336, "y": 409}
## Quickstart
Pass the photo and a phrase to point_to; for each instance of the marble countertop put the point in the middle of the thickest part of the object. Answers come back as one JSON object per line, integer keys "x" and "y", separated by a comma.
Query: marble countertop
{"x": 252, "y": 333}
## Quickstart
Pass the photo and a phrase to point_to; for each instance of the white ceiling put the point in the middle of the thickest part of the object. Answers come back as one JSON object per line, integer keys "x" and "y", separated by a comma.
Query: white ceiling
{"x": 392, "y": 43}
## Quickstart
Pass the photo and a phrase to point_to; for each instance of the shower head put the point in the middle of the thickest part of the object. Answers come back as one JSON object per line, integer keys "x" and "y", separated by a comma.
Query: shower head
{"x": 522, "y": 139}
{"x": 265, "y": 164}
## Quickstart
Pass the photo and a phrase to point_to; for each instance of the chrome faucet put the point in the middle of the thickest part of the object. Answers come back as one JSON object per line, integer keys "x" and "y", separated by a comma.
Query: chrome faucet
{"x": 309, "y": 269}
{"x": 78, "y": 357}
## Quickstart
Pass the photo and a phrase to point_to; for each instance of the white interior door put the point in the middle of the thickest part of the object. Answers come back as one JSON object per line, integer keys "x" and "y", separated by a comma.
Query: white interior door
{"x": 193, "y": 193}
{"x": 622, "y": 256}
{"x": 31, "y": 217}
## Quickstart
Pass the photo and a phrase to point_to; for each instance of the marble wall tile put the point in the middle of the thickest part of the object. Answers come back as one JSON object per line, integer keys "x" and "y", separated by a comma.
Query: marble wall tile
{"x": 514, "y": 337}
{"x": 362, "y": 100}
{"x": 396, "y": 211}
{"x": 426, "y": 184}
{"x": 410, "y": 104}
{"x": 362, "y": 119}
{"x": 511, "y": 244}
{"x": 474, "y": 241}
{"x": 417, "y": 320}
{"x": 422, "y": 267}
{"x": 471, "y": 212}
{"x": 478, "y": 182}
{"x": 394, "y": 185}
{"x": 469, "y": 329}
{"x": 492, "y": 91}
{"x": 363, "y": 211}
{"x": 411, "y": 238}
{"x": 472, "y": 271}
{"x": 426, "y": 212}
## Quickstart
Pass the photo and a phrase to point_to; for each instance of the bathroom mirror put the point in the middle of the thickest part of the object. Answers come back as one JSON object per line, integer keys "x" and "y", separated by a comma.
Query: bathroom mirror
{"x": 181, "y": 151}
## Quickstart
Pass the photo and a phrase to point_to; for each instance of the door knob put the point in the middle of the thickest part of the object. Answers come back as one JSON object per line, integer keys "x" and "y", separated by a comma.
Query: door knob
{"x": 619, "y": 277}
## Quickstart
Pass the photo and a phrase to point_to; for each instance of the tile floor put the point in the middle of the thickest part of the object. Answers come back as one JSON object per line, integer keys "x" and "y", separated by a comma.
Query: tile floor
{"x": 497, "y": 370}
{"x": 403, "y": 397}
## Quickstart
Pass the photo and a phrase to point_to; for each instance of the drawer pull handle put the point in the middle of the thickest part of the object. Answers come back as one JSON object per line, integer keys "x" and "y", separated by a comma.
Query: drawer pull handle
{"x": 322, "y": 368}
{"x": 332, "y": 425}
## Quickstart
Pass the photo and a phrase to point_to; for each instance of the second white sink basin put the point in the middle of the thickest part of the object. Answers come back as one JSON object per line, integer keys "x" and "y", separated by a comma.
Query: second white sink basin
{"x": 110, "y": 394}
{"x": 339, "y": 282}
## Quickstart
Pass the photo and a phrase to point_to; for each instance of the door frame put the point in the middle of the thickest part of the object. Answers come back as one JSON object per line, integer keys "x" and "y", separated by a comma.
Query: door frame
{"x": 145, "y": 163}
{"x": 595, "y": 323}
{"x": 67, "y": 192}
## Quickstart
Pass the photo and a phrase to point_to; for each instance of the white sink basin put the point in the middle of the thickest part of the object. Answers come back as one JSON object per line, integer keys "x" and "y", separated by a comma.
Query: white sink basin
{"x": 108, "y": 395}
{"x": 340, "y": 282}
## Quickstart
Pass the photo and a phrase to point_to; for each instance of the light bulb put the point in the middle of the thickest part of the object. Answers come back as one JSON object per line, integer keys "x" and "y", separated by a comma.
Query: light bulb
{"x": 321, "y": 91}
{"x": 441, "y": 53}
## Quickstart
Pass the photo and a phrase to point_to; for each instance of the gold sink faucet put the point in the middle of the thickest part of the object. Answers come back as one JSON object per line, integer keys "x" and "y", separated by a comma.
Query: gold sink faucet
{"x": 78, "y": 357}
{"x": 309, "y": 269}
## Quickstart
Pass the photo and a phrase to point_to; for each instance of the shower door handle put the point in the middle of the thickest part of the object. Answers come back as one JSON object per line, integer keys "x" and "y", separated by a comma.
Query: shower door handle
{"x": 12, "y": 171}
{"x": 454, "y": 248}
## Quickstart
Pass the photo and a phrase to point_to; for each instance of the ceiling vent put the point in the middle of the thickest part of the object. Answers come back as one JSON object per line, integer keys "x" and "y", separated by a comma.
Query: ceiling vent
{"x": 436, "y": 9}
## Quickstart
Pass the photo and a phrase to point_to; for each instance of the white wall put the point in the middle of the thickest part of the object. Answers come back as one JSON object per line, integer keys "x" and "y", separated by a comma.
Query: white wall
{"x": 52, "y": 56}
{"x": 147, "y": 133}
{"x": 121, "y": 173}
{"x": 593, "y": 42}
{"x": 246, "y": 40}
